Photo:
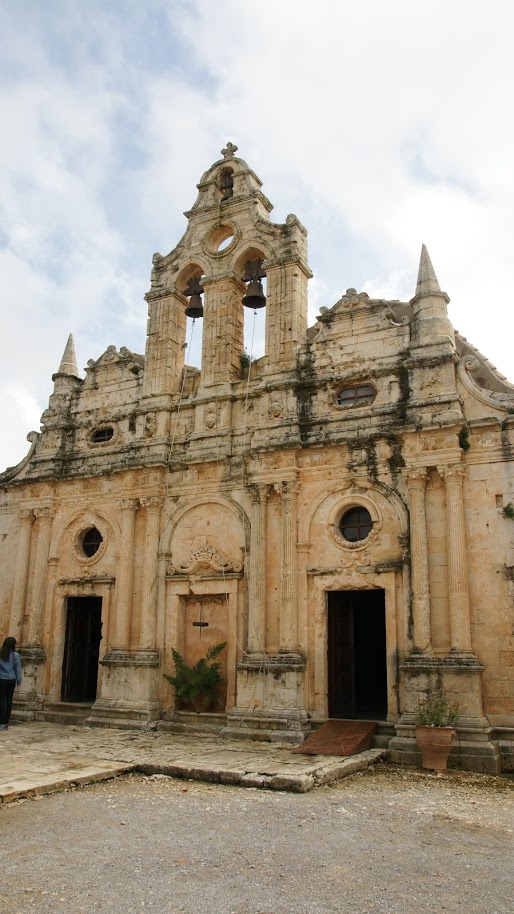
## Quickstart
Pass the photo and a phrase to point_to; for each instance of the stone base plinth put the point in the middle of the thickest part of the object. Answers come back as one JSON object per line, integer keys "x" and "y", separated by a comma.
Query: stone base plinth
{"x": 474, "y": 750}
{"x": 29, "y": 698}
{"x": 280, "y": 725}
{"x": 270, "y": 700}
{"x": 124, "y": 674}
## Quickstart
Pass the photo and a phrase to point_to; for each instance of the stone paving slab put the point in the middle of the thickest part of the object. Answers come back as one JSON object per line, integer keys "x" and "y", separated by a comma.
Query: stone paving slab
{"x": 43, "y": 757}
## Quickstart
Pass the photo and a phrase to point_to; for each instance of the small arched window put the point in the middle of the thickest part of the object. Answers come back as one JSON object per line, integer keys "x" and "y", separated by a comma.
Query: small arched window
{"x": 226, "y": 183}
{"x": 356, "y": 524}
{"x": 356, "y": 395}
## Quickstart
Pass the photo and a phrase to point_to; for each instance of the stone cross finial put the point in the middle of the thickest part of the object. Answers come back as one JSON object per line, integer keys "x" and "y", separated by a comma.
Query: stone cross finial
{"x": 229, "y": 151}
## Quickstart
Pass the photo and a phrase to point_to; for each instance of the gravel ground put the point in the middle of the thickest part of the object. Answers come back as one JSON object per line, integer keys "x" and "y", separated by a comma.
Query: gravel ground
{"x": 388, "y": 841}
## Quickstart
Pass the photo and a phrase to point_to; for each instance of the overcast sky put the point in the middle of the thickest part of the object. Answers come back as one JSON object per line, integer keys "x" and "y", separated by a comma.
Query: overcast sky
{"x": 382, "y": 124}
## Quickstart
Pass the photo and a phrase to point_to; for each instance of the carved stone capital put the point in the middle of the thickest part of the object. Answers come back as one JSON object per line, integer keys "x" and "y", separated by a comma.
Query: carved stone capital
{"x": 152, "y": 503}
{"x": 415, "y": 477}
{"x": 454, "y": 473}
{"x": 259, "y": 493}
{"x": 44, "y": 513}
{"x": 128, "y": 504}
{"x": 287, "y": 490}
{"x": 25, "y": 514}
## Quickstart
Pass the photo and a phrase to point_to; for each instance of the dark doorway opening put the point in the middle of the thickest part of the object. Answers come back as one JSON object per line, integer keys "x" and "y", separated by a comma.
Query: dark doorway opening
{"x": 81, "y": 649}
{"x": 357, "y": 673}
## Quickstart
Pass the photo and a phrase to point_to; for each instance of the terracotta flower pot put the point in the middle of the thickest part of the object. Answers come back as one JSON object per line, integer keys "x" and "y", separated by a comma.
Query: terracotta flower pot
{"x": 199, "y": 705}
{"x": 436, "y": 744}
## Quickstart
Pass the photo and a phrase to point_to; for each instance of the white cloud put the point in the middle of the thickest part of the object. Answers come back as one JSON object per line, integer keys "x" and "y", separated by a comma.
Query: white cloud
{"x": 382, "y": 125}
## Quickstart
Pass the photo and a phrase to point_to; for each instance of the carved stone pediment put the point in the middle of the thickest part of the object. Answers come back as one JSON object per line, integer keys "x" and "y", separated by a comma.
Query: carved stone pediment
{"x": 205, "y": 559}
{"x": 124, "y": 361}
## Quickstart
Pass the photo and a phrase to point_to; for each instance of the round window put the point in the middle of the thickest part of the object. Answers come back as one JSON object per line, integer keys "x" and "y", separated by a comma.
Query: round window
{"x": 92, "y": 539}
{"x": 102, "y": 434}
{"x": 356, "y": 524}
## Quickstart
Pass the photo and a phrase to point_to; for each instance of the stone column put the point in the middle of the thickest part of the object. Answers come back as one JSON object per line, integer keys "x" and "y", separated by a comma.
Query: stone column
{"x": 153, "y": 505}
{"x": 286, "y": 318}
{"x": 416, "y": 482}
{"x": 120, "y": 639}
{"x": 223, "y": 330}
{"x": 166, "y": 335}
{"x": 289, "y": 609}
{"x": 257, "y": 572}
{"x": 44, "y": 516}
{"x": 458, "y": 587}
{"x": 21, "y": 572}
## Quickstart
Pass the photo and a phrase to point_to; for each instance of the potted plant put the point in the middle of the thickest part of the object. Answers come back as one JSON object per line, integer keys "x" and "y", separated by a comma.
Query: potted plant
{"x": 435, "y": 730}
{"x": 196, "y": 685}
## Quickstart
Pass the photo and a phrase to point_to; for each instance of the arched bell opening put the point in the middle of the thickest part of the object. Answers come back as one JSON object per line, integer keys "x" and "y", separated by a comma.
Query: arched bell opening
{"x": 189, "y": 283}
{"x": 226, "y": 183}
{"x": 250, "y": 268}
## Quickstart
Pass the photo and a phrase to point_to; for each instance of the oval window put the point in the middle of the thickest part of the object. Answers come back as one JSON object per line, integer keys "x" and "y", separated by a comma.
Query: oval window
{"x": 356, "y": 395}
{"x": 356, "y": 524}
{"x": 102, "y": 434}
{"x": 92, "y": 539}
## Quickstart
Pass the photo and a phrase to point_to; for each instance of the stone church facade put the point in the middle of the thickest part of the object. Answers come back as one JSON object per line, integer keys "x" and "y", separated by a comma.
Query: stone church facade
{"x": 339, "y": 511}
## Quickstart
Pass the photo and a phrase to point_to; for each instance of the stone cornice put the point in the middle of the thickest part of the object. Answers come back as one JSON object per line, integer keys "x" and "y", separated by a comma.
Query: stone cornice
{"x": 427, "y": 663}
{"x": 274, "y": 663}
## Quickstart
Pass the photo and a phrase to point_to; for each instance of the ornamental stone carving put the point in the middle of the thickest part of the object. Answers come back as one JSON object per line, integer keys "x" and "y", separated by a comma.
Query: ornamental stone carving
{"x": 205, "y": 557}
{"x": 211, "y": 415}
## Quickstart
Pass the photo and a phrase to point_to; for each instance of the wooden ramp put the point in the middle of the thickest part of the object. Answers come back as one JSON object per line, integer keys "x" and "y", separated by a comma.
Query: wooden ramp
{"x": 339, "y": 737}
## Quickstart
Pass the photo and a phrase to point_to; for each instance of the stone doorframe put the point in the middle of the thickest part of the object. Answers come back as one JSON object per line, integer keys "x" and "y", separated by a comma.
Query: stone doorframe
{"x": 319, "y": 583}
{"x": 100, "y": 586}
{"x": 178, "y": 589}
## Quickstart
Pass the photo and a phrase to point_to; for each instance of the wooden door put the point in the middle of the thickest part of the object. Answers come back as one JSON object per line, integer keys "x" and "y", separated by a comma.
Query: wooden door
{"x": 341, "y": 659}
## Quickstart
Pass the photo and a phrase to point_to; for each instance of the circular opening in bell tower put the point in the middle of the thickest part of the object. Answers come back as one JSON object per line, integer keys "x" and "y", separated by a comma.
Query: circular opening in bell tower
{"x": 220, "y": 238}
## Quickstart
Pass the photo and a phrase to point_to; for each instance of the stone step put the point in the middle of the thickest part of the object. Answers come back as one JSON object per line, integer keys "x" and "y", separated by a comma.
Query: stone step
{"x": 189, "y": 722}
{"x": 63, "y": 713}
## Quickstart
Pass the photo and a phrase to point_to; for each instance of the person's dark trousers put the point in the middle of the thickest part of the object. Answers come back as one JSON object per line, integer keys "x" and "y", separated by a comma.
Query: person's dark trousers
{"x": 7, "y": 687}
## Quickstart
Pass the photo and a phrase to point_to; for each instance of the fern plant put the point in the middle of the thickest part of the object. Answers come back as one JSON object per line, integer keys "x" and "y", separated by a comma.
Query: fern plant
{"x": 198, "y": 679}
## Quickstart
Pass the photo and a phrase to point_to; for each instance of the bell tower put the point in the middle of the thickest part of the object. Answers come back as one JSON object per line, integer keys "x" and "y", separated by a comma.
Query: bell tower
{"x": 230, "y": 246}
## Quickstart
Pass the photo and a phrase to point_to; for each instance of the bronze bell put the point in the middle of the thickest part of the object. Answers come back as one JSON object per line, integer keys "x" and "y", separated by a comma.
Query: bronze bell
{"x": 255, "y": 297}
{"x": 195, "y": 307}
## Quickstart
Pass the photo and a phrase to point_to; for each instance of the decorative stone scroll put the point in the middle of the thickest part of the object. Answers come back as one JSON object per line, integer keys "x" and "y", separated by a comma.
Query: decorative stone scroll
{"x": 205, "y": 556}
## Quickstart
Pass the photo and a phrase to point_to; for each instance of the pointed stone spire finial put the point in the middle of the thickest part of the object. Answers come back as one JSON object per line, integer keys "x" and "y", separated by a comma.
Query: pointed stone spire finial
{"x": 427, "y": 280}
{"x": 69, "y": 360}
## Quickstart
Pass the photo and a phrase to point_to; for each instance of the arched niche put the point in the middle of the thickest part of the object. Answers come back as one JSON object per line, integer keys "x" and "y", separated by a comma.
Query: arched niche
{"x": 254, "y": 322}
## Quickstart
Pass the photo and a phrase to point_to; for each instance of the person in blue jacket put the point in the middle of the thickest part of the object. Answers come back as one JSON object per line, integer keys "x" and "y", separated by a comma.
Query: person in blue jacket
{"x": 10, "y": 677}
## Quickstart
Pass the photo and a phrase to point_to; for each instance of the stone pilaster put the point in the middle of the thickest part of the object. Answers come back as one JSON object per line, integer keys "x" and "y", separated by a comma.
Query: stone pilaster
{"x": 223, "y": 329}
{"x": 458, "y": 586}
{"x": 257, "y": 573}
{"x": 416, "y": 482}
{"x": 164, "y": 358}
{"x": 286, "y": 317}
{"x": 120, "y": 637}
{"x": 153, "y": 505}
{"x": 34, "y": 634}
{"x": 289, "y": 609}
{"x": 21, "y": 572}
